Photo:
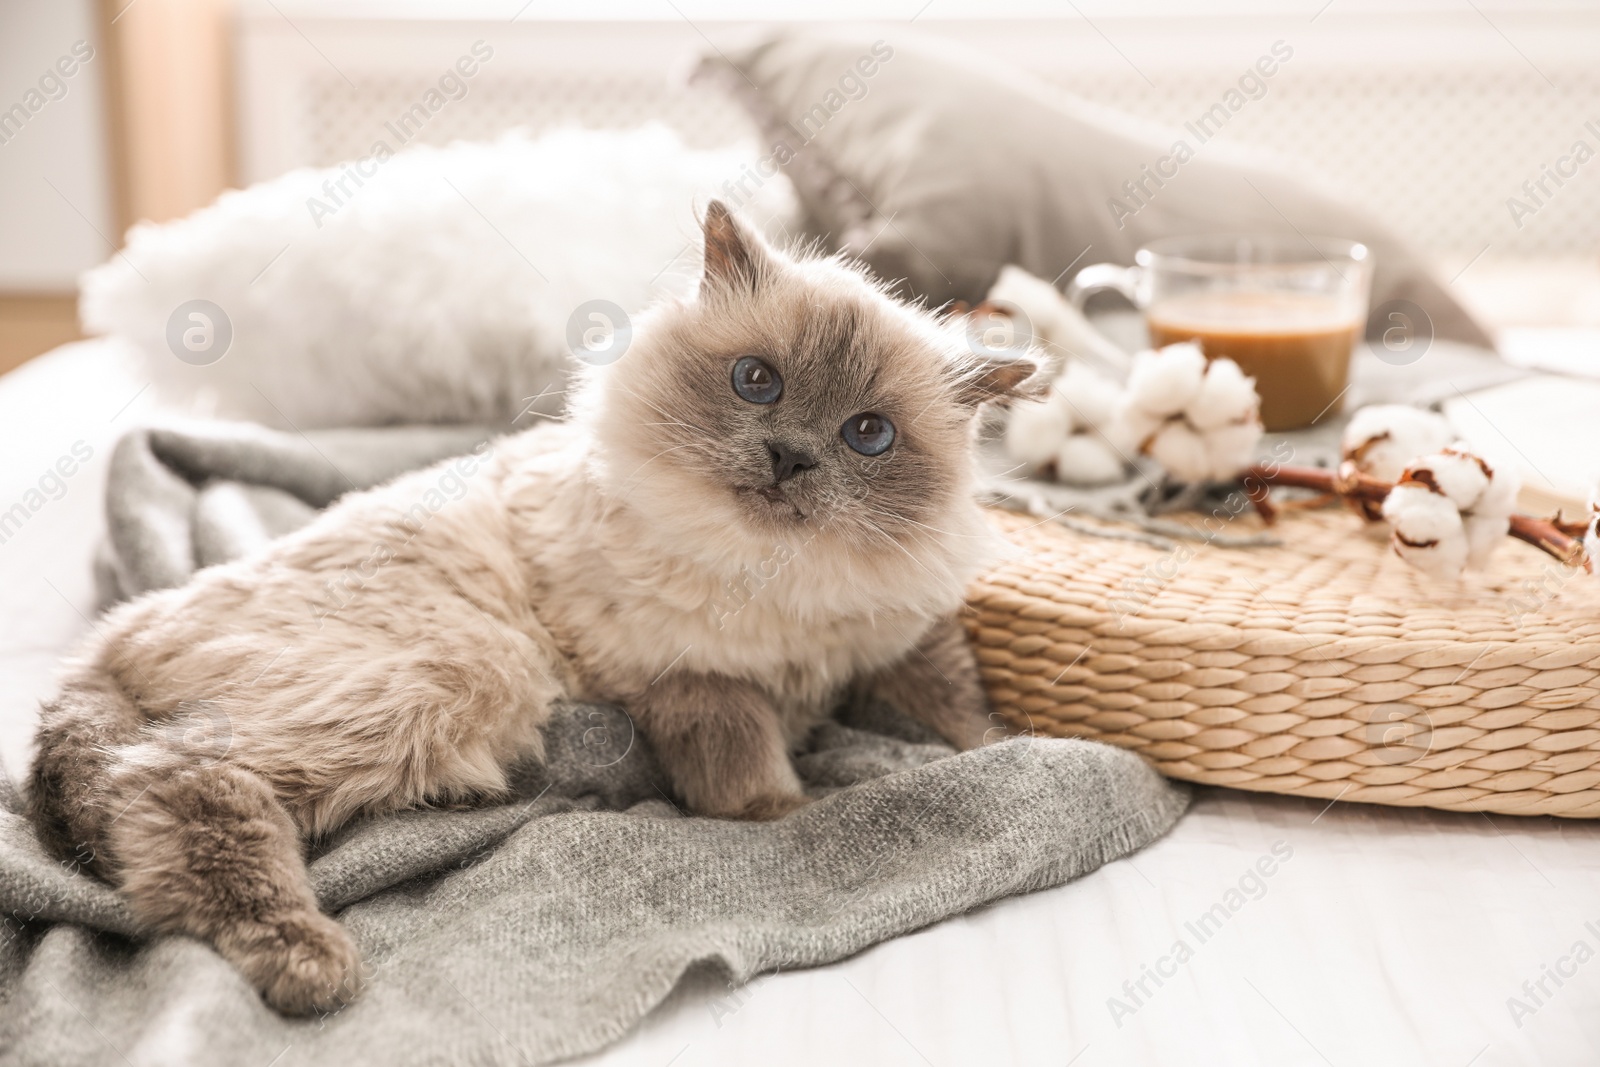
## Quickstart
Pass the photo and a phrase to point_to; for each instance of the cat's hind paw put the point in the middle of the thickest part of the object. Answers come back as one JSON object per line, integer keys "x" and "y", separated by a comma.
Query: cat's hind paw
{"x": 311, "y": 967}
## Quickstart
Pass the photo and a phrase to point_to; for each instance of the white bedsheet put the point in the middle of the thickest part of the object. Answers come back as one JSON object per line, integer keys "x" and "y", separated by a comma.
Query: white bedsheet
{"x": 1381, "y": 936}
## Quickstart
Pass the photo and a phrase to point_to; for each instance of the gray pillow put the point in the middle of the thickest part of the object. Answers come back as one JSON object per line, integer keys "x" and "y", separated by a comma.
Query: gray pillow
{"x": 939, "y": 167}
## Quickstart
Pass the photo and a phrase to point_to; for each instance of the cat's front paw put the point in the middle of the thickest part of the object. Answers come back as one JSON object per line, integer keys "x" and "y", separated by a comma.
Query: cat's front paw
{"x": 312, "y": 966}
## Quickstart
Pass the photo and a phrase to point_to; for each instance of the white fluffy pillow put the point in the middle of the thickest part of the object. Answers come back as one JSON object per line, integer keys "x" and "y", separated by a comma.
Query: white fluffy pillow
{"x": 420, "y": 298}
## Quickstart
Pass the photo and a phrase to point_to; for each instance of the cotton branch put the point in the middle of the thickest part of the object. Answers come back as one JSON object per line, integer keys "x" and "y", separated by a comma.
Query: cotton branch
{"x": 1558, "y": 537}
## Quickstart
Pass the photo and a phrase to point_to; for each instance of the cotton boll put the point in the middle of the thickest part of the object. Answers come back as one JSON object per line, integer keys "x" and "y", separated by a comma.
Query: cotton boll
{"x": 1091, "y": 397}
{"x": 1230, "y": 449}
{"x": 1419, "y": 514}
{"x": 1500, "y": 496}
{"x": 1035, "y": 431}
{"x": 1132, "y": 428}
{"x": 1197, "y": 420}
{"x": 1444, "y": 560}
{"x": 1457, "y": 475}
{"x": 1427, "y": 528}
{"x": 1227, "y": 395}
{"x": 1088, "y": 459}
{"x": 1164, "y": 382}
{"x": 1182, "y": 451}
{"x": 1450, "y": 510}
{"x": 1490, "y": 516}
{"x": 1383, "y": 439}
{"x": 1484, "y": 534}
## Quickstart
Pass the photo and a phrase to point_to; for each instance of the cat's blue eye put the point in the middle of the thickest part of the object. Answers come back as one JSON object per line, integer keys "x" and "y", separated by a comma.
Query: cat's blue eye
{"x": 868, "y": 433}
{"x": 756, "y": 381}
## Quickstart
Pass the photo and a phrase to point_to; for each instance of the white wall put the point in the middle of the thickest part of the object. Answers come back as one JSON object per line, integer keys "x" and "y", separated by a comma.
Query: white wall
{"x": 1433, "y": 117}
{"x": 48, "y": 235}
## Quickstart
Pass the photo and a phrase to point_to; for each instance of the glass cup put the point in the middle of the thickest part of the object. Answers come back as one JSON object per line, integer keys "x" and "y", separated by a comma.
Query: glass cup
{"x": 1289, "y": 310}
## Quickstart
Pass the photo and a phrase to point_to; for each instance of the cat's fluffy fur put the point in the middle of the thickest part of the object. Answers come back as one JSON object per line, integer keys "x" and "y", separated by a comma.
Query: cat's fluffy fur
{"x": 647, "y": 552}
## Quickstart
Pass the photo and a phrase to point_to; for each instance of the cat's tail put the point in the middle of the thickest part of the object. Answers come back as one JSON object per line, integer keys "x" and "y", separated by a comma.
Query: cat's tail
{"x": 70, "y": 790}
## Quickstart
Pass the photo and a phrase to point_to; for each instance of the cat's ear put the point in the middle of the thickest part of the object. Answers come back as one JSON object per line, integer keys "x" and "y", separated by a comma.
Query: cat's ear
{"x": 736, "y": 259}
{"x": 1003, "y": 376}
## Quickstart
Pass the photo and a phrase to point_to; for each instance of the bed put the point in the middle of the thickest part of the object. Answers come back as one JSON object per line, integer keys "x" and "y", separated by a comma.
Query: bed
{"x": 1261, "y": 930}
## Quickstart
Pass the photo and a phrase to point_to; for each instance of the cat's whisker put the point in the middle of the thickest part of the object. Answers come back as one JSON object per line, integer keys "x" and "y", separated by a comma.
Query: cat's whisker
{"x": 630, "y": 484}
{"x": 529, "y": 401}
{"x": 875, "y": 528}
{"x": 901, "y": 518}
{"x": 663, "y": 412}
{"x": 931, "y": 529}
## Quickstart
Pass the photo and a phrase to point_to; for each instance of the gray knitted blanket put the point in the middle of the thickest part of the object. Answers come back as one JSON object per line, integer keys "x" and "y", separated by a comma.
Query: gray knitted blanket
{"x": 546, "y": 927}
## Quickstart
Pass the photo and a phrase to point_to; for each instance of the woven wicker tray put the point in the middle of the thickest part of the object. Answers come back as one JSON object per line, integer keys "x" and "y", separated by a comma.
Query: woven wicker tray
{"x": 1326, "y": 667}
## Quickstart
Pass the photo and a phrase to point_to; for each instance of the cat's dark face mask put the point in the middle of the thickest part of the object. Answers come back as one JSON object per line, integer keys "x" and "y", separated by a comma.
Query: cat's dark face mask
{"x": 797, "y": 399}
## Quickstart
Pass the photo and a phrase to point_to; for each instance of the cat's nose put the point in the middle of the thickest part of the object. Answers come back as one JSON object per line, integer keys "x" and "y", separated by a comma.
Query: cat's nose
{"x": 787, "y": 461}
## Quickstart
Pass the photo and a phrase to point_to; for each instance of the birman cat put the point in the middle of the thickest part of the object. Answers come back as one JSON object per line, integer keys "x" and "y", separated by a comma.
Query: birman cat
{"x": 764, "y": 509}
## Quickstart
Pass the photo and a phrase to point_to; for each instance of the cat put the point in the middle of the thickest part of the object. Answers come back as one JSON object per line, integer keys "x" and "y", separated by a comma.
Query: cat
{"x": 765, "y": 508}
